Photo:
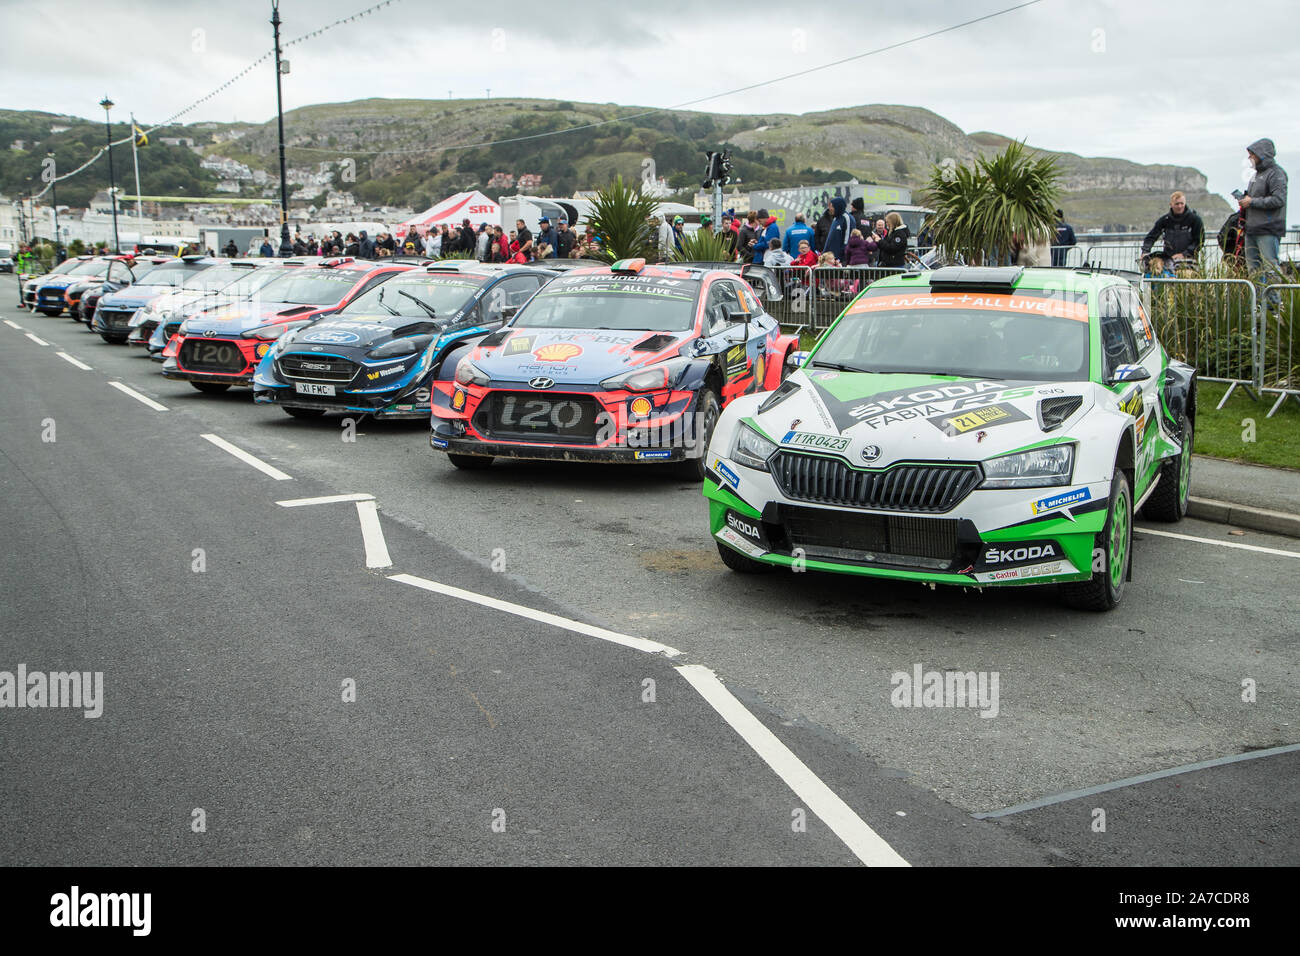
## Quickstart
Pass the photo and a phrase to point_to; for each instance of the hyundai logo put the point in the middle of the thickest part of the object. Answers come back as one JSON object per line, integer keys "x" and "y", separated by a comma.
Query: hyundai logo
{"x": 870, "y": 452}
{"x": 209, "y": 333}
{"x": 541, "y": 382}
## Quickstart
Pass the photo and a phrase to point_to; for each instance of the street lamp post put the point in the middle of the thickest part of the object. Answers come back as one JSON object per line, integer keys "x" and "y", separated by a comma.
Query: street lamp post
{"x": 286, "y": 247}
{"x": 54, "y": 204}
{"x": 112, "y": 178}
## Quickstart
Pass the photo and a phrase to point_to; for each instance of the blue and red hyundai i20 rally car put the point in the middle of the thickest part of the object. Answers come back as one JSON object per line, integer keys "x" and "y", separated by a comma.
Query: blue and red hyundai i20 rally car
{"x": 629, "y": 363}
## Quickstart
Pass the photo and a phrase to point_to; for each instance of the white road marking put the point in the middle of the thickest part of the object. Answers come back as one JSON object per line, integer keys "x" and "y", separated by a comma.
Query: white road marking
{"x": 636, "y": 643}
{"x": 865, "y": 843}
{"x": 248, "y": 459}
{"x": 13, "y": 325}
{"x": 77, "y": 362}
{"x": 1222, "y": 544}
{"x": 327, "y": 500}
{"x": 373, "y": 535}
{"x": 143, "y": 399}
{"x": 37, "y": 339}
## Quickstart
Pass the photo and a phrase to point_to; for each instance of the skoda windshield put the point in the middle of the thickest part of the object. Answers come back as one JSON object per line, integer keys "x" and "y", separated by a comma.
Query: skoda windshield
{"x": 1023, "y": 336}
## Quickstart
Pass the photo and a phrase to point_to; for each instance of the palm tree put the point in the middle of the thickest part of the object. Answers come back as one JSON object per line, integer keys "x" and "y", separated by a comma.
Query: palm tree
{"x": 620, "y": 214}
{"x": 980, "y": 210}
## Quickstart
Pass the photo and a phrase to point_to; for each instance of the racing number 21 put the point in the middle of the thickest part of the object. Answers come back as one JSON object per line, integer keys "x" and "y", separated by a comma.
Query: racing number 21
{"x": 562, "y": 415}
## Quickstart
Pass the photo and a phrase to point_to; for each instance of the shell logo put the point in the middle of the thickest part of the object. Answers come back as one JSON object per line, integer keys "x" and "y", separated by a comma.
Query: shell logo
{"x": 557, "y": 352}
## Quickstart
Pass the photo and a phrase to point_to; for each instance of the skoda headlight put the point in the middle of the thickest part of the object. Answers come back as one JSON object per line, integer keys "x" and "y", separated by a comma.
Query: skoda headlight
{"x": 649, "y": 379}
{"x": 1041, "y": 467}
{"x": 751, "y": 448}
{"x": 467, "y": 373}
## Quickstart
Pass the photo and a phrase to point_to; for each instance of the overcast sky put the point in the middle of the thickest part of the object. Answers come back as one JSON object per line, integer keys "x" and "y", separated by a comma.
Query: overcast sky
{"x": 1150, "y": 82}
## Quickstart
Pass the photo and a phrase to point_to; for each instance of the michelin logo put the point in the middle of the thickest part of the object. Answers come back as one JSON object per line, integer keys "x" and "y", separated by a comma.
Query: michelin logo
{"x": 1062, "y": 502}
{"x": 729, "y": 476}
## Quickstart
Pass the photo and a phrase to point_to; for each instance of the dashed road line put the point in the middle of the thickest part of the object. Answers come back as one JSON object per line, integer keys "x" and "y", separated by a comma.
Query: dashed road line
{"x": 544, "y": 617}
{"x": 1131, "y": 781}
{"x": 36, "y": 338}
{"x": 13, "y": 325}
{"x": 866, "y": 844}
{"x": 373, "y": 535}
{"x": 1222, "y": 544}
{"x": 247, "y": 459}
{"x": 142, "y": 399}
{"x": 77, "y": 362}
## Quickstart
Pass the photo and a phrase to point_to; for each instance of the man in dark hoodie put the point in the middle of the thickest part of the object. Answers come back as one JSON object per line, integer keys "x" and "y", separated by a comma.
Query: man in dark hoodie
{"x": 1265, "y": 207}
{"x": 365, "y": 246}
{"x": 841, "y": 228}
{"x": 1181, "y": 228}
{"x": 822, "y": 227}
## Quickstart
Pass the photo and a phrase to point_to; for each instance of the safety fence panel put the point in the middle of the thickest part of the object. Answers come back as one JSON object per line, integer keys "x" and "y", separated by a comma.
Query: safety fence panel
{"x": 1279, "y": 351}
{"x": 1209, "y": 324}
{"x": 814, "y": 296}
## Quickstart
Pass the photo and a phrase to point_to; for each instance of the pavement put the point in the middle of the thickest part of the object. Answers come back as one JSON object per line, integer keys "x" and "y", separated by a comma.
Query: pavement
{"x": 1247, "y": 496}
{"x": 504, "y": 691}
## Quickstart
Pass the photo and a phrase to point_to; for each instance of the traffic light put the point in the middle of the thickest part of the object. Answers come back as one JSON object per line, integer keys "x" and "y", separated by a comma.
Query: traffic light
{"x": 717, "y": 167}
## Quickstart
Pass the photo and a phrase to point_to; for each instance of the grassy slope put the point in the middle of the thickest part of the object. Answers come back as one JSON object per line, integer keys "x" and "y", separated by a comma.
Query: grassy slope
{"x": 1220, "y": 433}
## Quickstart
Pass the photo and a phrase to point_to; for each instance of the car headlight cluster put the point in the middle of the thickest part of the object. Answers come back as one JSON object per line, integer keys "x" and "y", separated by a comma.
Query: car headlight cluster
{"x": 751, "y": 449}
{"x": 649, "y": 379}
{"x": 403, "y": 346}
{"x": 1040, "y": 467}
{"x": 467, "y": 373}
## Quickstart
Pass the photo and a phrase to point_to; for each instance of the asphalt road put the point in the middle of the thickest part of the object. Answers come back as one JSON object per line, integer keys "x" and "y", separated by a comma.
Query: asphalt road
{"x": 223, "y": 686}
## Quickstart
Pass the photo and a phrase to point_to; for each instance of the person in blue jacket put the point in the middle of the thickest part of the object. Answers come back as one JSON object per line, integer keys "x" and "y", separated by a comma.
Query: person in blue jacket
{"x": 771, "y": 230}
{"x": 796, "y": 234}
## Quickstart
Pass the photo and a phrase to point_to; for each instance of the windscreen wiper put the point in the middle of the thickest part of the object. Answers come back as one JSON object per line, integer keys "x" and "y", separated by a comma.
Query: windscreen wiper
{"x": 380, "y": 300}
{"x": 839, "y": 367}
{"x": 420, "y": 302}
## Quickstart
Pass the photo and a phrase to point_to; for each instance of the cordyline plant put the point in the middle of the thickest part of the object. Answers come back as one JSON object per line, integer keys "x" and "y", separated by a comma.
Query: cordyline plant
{"x": 620, "y": 214}
{"x": 703, "y": 246}
{"x": 979, "y": 210}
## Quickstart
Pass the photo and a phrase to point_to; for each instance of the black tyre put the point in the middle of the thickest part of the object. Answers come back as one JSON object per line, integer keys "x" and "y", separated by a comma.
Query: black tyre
{"x": 112, "y": 339}
{"x": 707, "y": 411}
{"x": 303, "y": 412}
{"x": 741, "y": 563}
{"x": 211, "y": 388}
{"x": 1105, "y": 589}
{"x": 1169, "y": 501}
{"x": 50, "y": 312}
{"x": 470, "y": 462}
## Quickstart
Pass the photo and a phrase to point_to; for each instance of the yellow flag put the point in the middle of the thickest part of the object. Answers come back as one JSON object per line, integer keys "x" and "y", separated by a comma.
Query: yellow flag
{"x": 141, "y": 138}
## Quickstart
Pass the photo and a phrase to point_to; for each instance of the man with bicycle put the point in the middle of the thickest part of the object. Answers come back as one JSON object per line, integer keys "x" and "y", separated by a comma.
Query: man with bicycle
{"x": 1181, "y": 229}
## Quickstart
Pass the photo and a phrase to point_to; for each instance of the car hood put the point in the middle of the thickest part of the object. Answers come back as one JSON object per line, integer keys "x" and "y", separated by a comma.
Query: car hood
{"x": 241, "y": 316}
{"x": 879, "y": 419}
{"x": 135, "y": 296}
{"x": 584, "y": 356}
{"x": 61, "y": 281}
{"x": 366, "y": 331}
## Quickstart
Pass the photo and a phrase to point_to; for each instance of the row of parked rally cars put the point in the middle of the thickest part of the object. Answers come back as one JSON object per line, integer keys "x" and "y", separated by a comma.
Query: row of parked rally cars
{"x": 963, "y": 426}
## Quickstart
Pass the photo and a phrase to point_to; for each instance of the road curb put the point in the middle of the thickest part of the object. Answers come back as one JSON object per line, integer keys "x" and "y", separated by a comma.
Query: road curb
{"x": 1244, "y": 516}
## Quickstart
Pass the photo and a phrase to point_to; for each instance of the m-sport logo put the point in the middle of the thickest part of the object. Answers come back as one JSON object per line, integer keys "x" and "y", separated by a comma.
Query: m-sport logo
{"x": 541, "y": 382}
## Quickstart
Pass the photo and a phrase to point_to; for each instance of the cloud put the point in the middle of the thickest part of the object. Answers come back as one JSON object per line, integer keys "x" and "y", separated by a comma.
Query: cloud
{"x": 1094, "y": 78}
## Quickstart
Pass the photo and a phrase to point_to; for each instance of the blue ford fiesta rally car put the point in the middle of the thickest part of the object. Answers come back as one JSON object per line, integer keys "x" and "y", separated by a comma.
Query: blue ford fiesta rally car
{"x": 379, "y": 353}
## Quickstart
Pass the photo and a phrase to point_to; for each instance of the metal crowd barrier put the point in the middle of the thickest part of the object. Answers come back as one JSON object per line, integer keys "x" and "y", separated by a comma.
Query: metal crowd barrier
{"x": 1211, "y": 324}
{"x": 814, "y": 296}
{"x": 1279, "y": 357}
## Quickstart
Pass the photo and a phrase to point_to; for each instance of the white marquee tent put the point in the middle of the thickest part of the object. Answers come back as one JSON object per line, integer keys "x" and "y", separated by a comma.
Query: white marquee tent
{"x": 473, "y": 206}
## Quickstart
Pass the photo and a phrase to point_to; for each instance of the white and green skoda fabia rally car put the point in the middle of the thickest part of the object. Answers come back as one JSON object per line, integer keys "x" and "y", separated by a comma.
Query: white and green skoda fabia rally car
{"x": 968, "y": 426}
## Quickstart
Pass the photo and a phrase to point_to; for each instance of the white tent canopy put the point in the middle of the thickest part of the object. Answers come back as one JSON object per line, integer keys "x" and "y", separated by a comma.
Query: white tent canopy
{"x": 473, "y": 206}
